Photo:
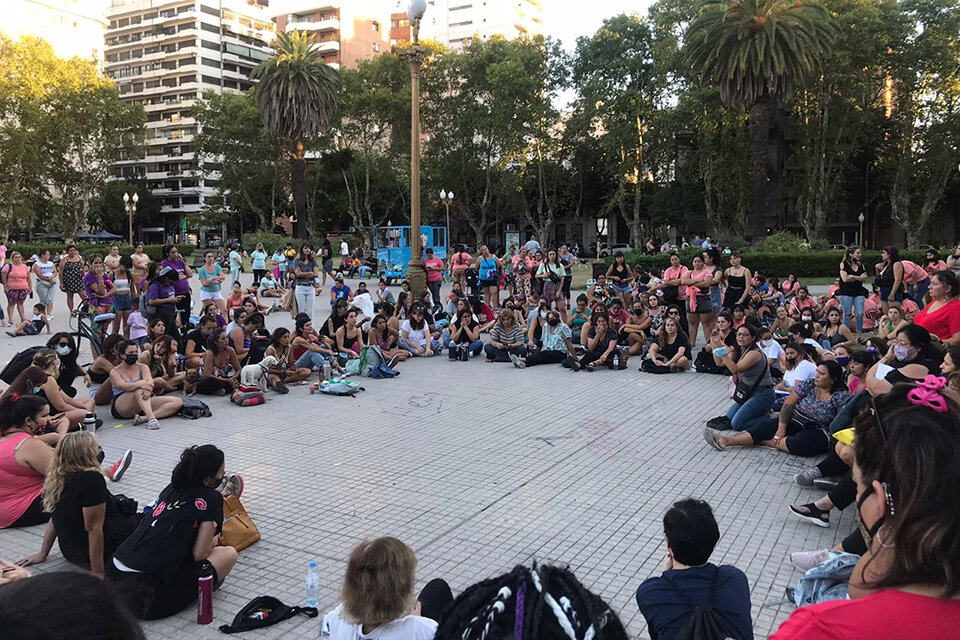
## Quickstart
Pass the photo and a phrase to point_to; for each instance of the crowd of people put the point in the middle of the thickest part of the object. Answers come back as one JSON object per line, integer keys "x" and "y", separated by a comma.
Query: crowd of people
{"x": 867, "y": 380}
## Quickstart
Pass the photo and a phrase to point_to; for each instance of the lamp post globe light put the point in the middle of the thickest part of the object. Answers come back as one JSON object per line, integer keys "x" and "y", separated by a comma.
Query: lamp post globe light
{"x": 861, "y": 218}
{"x": 447, "y": 200}
{"x": 416, "y": 272}
{"x": 130, "y": 204}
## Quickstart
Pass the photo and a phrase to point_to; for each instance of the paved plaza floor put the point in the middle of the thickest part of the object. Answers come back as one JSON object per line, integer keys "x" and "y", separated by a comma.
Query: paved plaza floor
{"x": 478, "y": 467}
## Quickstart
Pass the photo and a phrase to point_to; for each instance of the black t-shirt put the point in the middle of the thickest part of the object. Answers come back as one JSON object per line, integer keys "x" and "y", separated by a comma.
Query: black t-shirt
{"x": 198, "y": 340}
{"x": 855, "y": 288}
{"x": 604, "y": 342}
{"x": 666, "y": 611}
{"x": 331, "y": 324}
{"x": 164, "y": 540}
{"x": 668, "y": 350}
{"x": 87, "y": 489}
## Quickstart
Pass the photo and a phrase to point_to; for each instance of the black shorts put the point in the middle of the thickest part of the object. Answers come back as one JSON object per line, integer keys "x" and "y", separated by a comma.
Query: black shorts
{"x": 150, "y": 598}
{"x": 113, "y": 408}
{"x": 488, "y": 283}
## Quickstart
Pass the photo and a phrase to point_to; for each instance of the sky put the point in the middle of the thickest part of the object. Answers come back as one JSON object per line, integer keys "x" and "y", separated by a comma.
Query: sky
{"x": 566, "y": 23}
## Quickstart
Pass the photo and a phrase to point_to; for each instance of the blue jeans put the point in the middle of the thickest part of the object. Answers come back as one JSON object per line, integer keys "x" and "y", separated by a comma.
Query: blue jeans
{"x": 492, "y": 352}
{"x": 754, "y": 411}
{"x": 919, "y": 290}
{"x": 312, "y": 360}
{"x": 475, "y": 348}
{"x": 857, "y": 303}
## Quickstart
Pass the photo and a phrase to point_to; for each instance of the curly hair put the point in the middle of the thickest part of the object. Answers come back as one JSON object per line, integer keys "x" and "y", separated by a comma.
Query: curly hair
{"x": 75, "y": 452}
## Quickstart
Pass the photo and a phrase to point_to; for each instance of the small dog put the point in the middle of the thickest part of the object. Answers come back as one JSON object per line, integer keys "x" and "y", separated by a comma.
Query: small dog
{"x": 190, "y": 382}
{"x": 255, "y": 375}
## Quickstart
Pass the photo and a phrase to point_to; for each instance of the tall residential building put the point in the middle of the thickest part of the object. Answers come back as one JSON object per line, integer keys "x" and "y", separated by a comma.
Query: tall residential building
{"x": 400, "y": 29}
{"x": 73, "y": 27}
{"x": 456, "y": 22}
{"x": 345, "y": 30}
{"x": 163, "y": 54}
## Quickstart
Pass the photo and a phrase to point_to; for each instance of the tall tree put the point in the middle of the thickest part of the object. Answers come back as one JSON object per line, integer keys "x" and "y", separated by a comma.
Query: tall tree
{"x": 298, "y": 96}
{"x": 254, "y": 175}
{"x": 757, "y": 52}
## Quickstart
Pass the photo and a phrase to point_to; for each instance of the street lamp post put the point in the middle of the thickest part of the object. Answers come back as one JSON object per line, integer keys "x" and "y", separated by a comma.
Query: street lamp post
{"x": 861, "y": 218}
{"x": 130, "y": 204}
{"x": 447, "y": 200}
{"x": 416, "y": 272}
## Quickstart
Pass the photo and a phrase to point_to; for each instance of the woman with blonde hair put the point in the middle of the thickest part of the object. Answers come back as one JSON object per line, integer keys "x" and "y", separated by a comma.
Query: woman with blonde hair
{"x": 377, "y": 595}
{"x": 506, "y": 338}
{"x": 86, "y": 519}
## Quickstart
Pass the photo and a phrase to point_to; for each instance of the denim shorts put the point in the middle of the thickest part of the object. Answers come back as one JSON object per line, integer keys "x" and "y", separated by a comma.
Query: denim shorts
{"x": 31, "y": 329}
{"x": 122, "y": 302}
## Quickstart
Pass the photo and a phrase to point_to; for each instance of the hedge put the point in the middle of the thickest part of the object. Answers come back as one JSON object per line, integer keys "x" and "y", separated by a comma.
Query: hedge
{"x": 802, "y": 264}
{"x": 155, "y": 251}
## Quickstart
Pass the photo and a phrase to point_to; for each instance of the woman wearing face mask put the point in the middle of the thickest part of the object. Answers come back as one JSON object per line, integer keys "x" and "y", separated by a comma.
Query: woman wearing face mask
{"x": 537, "y": 321}
{"x": 907, "y": 581}
{"x": 557, "y": 345}
{"x": 24, "y": 460}
{"x": 133, "y": 389}
{"x": 796, "y": 366}
{"x": 156, "y": 569}
{"x": 912, "y": 357}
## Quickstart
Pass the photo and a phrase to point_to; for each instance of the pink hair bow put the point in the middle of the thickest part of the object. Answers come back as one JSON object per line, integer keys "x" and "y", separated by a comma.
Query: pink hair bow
{"x": 927, "y": 393}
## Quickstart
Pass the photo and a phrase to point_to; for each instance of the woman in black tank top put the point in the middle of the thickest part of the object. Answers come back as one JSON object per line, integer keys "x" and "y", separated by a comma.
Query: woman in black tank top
{"x": 737, "y": 277}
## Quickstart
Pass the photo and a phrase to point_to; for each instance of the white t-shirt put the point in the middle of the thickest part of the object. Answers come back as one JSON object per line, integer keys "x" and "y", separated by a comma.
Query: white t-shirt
{"x": 405, "y": 628}
{"x": 344, "y": 249}
{"x": 415, "y": 336}
{"x": 772, "y": 350}
{"x": 803, "y": 371}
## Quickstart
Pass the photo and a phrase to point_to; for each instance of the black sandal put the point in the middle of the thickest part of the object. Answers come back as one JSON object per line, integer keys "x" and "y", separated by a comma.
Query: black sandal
{"x": 814, "y": 515}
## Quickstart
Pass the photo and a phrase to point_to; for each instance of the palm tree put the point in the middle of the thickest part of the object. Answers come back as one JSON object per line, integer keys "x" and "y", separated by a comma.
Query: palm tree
{"x": 298, "y": 96}
{"x": 756, "y": 52}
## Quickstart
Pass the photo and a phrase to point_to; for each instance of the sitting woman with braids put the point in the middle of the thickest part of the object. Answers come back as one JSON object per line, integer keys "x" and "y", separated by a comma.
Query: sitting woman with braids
{"x": 377, "y": 598}
{"x": 539, "y": 603}
{"x": 907, "y": 582}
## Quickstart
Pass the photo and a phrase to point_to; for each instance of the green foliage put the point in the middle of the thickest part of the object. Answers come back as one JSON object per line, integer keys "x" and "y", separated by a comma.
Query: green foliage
{"x": 781, "y": 242}
{"x": 87, "y": 249}
{"x": 109, "y": 213}
{"x": 271, "y": 241}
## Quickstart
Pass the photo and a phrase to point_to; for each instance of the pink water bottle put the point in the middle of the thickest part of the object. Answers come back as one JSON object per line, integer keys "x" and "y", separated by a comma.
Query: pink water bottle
{"x": 205, "y": 594}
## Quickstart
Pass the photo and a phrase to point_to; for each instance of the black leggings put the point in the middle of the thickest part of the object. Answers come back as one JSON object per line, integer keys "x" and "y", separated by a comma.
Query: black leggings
{"x": 435, "y": 598}
{"x": 258, "y": 275}
{"x": 832, "y": 465}
{"x": 566, "y": 287}
{"x": 210, "y": 387}
{"x": 844, "y": 494}
{"x": 34, "y": 515}
{"x": 183, "y": 309}
{"x": 545, "y": 357}
{"x": 800, "y": 442}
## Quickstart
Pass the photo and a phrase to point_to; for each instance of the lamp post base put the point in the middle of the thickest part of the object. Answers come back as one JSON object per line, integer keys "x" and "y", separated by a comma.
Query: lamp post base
{"x": 417, "y": 277}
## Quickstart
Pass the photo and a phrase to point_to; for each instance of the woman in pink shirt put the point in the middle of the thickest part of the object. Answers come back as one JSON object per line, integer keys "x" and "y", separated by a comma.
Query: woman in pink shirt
{"x": 917, "y": 281}
{"x": 700, "y": 310}
{"x": 789, "y": 287}
{"x": 17, "y": 283}
{"x": 24, "y": 460}
{"x": 459, "y": 264}
{"x": 523, "y": 269}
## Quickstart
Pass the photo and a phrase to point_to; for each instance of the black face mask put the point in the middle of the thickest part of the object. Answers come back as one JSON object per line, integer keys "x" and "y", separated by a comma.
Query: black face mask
{"x": 553, "y": 322}
{"x": 791, "y": 361}
{"x": 130, "y": 358}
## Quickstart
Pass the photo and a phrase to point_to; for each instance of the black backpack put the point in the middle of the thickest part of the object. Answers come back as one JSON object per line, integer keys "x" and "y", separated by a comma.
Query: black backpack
{"x": 705, "y": 623}
{"x": 264, "y": 611}
{"x": 17, "y": 364}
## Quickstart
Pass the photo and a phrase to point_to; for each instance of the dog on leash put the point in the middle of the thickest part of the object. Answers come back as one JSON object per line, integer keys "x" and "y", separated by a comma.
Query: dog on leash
{"x": 255, "y": 375}
{"x": 190, "y": 382}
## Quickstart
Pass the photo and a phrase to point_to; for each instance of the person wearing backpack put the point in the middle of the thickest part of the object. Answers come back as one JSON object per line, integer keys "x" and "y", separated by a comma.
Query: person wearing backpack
{"x": 693, "y": 598}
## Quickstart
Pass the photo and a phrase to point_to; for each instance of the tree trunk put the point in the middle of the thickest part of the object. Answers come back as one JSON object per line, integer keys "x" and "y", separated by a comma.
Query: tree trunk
{"x": 759, "y": 119}
{"x": 298, "y": 185}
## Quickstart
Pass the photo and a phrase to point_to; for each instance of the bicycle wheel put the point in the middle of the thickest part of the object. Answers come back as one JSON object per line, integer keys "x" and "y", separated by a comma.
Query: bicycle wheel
{"x": 95, "y": 342}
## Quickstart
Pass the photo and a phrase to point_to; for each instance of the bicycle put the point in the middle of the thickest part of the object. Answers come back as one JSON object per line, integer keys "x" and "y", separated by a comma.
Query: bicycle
{"x": 84, "y": 330}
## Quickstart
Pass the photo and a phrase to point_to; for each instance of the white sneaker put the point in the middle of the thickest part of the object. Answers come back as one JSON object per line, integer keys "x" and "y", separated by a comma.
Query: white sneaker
{"x": 806, "y": 560}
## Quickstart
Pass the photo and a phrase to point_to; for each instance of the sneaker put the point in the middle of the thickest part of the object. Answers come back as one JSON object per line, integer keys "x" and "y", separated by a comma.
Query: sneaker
{"x": 517, "y": 362}
{"x": 589, "y": 367}
{"x": 806, "y": 560}
{"x": 827, "y": 484}
{"x": 232, "y": 485}
{"x": 806, "y": 477}
{"x": 394, "y": 361}
{"x": 810, "y": 513}
{"x": 279, "y": 387}
{"x": 121, "y": 465}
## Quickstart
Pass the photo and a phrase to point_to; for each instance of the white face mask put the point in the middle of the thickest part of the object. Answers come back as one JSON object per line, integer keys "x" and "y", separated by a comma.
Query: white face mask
{"x": 63, "y": 351}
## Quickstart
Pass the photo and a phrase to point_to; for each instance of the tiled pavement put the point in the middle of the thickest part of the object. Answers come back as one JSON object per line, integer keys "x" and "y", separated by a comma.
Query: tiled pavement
{"x": 477, "y": 466}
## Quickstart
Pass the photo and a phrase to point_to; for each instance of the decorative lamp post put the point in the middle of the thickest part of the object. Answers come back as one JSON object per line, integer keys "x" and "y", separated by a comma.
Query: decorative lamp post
{"x": 447, "y": 200}
{"x": 416, "y": 272}
{"x": 861, "y": 218}
{"x": 130, "y": 204}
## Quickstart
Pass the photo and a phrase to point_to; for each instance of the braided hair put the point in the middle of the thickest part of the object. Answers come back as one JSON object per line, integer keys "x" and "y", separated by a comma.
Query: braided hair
{"x": 529, "y": 604}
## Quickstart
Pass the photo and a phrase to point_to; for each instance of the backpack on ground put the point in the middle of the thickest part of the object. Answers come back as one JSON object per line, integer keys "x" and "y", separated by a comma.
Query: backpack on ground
{"x": 18, "y": 363}
{"x": 705, "y": 623}
{"x": 264, "y": 611}
{"x": 382, "y": 371}
{"x": 193, "y": 409}
{"x": 370, "y": 358}
{"x": 147, "y": 310}
{"x": 340, "y": 387}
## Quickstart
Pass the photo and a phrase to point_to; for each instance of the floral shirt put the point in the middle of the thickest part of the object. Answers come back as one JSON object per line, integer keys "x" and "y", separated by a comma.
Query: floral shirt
{"x": 822, "y": 411}
{"x": 555, "y": 339}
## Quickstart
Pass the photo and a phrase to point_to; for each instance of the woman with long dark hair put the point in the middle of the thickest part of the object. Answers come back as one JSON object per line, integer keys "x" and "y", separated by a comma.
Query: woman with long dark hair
{"x": 221, "y": 367}
{"x": 305, "y": 272}
{"x": 852, "y": 293}
{"x": 24, "y": 460}
{"x": 890, "y": 277}
{"x": 157, "y": 567}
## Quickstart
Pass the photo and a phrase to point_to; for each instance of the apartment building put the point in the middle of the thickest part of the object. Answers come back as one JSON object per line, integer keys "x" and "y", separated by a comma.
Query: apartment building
{"x": 400, "y": 29}
{"x": 164, "y": 54}
{"x": 345, "y": 31}
{"x": 72, "y": 27}
{"x": 456, "y": 22}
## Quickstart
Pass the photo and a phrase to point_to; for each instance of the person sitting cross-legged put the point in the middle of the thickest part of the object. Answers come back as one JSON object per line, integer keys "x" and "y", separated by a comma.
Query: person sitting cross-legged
{"x": 506, "y": 338}
{"x": 464, "y": 331}
{"x": 556, "y": 344}
{"x": 689, "y": 580}
{"x": 601, "y": 340}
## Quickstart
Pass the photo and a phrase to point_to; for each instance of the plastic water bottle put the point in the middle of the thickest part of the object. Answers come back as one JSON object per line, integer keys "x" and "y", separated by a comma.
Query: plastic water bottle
{"x": 616, "y": 360}
{"x": 313, "y": 584}
{"x": 327, "y": 370}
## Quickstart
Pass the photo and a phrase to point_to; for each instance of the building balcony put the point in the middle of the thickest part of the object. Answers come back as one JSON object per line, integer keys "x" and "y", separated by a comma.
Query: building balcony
{"x": 314, "y": 26}
{"x": 331, "y": 46}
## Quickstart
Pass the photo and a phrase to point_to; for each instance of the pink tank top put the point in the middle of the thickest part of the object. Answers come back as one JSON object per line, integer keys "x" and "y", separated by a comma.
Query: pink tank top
{"x": 19, "y": 486}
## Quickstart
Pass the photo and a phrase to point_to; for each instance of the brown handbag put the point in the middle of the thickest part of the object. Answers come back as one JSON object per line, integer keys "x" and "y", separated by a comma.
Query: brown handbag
{"x": 238, "y": 530}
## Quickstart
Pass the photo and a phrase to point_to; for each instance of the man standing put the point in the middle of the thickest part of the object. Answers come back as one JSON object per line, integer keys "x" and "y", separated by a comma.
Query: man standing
{"x": 532, "y": 245}
{"x": 434, "y": 267}
{"x": 344, "y": 252}
{"x": 688, "y": 580}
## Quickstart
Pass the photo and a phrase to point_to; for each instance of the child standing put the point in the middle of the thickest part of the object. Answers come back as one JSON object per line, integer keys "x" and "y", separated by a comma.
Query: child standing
{"x": 33, "y": 326}
{"x": 136, "y": 326}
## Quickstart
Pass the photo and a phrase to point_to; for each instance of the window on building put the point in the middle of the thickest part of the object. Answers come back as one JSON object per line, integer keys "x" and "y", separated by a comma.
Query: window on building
{"x": 209, "y": 27}
{"x": 210, "y": 11}
{"x": 210, "y": 63}
{"x": 376, "y": 47}
{"x": 375, "y": 26}
{"x": 213, "y": 46}
{"x": 211, "y": 80}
